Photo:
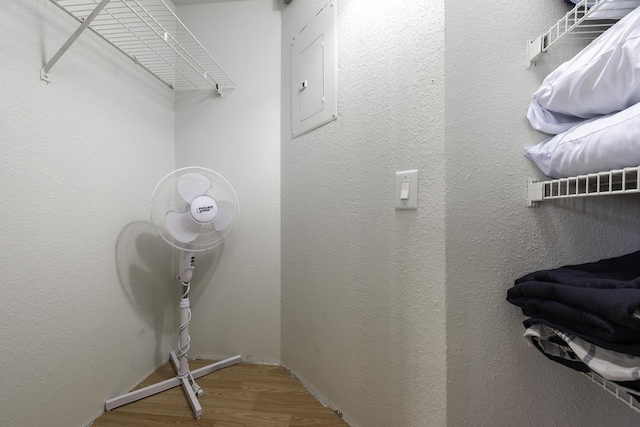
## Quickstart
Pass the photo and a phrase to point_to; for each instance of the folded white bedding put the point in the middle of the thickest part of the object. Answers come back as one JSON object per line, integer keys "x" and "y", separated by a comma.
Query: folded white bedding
{"x": 603, "y": 78}
{"x": 599, "y": 144}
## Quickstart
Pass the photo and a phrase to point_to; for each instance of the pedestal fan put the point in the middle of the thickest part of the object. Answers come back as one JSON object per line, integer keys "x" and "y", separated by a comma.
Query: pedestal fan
{"x": 193, "y": 209}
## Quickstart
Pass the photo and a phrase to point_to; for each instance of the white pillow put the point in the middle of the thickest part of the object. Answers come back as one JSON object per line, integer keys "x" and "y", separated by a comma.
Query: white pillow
{"x": 603, "y": 78}
{"x": 599, "y": 144}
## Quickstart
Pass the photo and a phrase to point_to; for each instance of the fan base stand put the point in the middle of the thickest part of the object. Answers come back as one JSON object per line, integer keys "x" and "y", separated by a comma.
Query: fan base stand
{"x": 173, "y": 382}
{"x": 181, "y": 365}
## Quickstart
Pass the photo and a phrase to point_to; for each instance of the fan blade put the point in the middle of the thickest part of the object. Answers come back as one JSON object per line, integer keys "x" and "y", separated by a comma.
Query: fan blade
{"x": 192, "y": 185}
{"x": 225, "y": 215}
{"x": 182, "y": 226}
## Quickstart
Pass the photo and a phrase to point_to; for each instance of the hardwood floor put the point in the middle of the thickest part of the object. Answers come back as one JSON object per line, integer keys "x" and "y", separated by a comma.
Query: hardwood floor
{"x": 242, "y": 395}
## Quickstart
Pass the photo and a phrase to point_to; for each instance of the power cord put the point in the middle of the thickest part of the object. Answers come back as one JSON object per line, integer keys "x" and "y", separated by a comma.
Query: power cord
{"x": 184, "y": 350}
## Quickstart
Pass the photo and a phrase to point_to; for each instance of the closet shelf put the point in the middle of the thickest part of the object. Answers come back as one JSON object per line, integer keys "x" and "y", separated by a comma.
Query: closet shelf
{"x": 581, "y": 22}
{"x": 619, "y": 181}
{"x": 619, "y": 392}
{"x": 149, "y": 33}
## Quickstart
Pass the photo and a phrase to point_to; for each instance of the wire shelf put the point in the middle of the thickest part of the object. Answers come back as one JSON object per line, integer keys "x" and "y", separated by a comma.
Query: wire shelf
{"x": 149, "y": 33}
{"x": 619, "y": 181}
{"x": 587, "y": 20}
{"x": 623, "y": 394}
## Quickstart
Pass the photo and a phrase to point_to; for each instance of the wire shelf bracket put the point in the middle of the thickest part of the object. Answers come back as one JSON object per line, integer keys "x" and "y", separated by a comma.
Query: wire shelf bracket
{"x": 151, "y": 35}
{"x": 587, "y": 20}
{"x": 618, "y": 181}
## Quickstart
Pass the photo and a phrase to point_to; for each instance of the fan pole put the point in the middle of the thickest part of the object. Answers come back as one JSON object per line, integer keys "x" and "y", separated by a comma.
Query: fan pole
{"x": 183, "y": 338}
{"x": 181, "y": 365}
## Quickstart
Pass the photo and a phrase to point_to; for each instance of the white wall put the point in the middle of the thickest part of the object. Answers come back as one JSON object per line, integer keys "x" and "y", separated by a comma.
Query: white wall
{"x": 84, "y": 287}
{"x": 494, "y": 377}
{"x": 363, "y": 316}
{"x": 236, "y": 305}
{"x": 363, "y": 284}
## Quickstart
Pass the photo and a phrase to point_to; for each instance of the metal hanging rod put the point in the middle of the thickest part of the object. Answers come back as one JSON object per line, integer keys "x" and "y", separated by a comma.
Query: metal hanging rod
{"x": 149, "y": 33}
{"x": 619, "y": 181}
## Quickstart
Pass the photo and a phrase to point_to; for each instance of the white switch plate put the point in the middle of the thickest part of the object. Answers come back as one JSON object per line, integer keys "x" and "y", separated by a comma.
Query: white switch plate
{"x": 412, "y": 201}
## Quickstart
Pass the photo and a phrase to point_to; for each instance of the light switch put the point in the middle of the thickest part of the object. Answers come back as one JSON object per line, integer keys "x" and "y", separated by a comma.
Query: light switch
{"x": 404, "y": 190}
{"x": 407, "y": 189}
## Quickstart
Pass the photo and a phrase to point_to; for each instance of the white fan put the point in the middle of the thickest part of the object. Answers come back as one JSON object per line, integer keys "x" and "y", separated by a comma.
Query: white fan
{"x": 194, "y": 209}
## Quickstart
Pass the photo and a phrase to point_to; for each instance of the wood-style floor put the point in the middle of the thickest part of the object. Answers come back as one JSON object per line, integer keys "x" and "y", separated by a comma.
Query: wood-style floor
{"x": 242, "y": 395}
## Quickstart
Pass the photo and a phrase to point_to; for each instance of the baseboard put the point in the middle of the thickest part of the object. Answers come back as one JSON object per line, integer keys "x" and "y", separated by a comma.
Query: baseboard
{"x": 320, "y": 397}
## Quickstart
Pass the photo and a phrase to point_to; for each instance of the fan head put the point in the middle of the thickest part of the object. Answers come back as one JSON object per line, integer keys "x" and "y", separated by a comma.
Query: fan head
{"x": 194, "y": 208}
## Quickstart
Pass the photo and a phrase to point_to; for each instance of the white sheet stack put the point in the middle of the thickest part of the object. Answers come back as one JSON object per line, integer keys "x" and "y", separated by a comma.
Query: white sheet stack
{"x": 589, "y": 103}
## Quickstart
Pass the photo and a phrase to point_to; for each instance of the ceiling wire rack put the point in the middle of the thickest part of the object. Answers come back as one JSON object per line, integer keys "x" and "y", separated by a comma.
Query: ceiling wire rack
{"x": 587, "y": 20}
{"x": 148, "y": 32}
{"x": 617, "y": 181}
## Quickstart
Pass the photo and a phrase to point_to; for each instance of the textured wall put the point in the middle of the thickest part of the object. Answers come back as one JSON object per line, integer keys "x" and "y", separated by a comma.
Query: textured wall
{"x": 84, "y": 287}
{"x": 494, "y": 377}
{"x": 362, "y": 283}
{"x": 363, "y": 286}
{"x": 236, "y": 291}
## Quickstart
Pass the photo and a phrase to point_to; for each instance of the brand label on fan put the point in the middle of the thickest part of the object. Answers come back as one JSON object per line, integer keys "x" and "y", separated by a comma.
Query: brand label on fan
{"x": 204, "y": 209}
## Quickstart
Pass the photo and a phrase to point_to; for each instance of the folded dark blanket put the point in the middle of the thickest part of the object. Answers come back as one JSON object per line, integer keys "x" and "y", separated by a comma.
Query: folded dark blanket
{"x": 602, "y": 313}
{"x": 597, "y": 299}
{"x": 622, "y": 271}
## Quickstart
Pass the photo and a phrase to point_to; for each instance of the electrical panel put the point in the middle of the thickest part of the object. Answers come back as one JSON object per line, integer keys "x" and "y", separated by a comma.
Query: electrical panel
{"x": 314, "y": 69}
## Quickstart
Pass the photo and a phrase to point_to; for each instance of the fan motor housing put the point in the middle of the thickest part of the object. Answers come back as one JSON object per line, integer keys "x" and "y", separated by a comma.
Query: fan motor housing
{"x": 204, "y": 209}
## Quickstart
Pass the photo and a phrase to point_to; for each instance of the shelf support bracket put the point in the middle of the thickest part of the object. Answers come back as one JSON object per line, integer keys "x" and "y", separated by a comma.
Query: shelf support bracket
{"x": 85, "y": 23}
{"x": 219, "y": 90}
{"x": 535, "y": 48}
{"x": 535, "y": 192}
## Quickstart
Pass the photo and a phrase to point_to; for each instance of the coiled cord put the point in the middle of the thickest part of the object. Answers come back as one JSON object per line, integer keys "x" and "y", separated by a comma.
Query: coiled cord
{"x": 184, "y": 350}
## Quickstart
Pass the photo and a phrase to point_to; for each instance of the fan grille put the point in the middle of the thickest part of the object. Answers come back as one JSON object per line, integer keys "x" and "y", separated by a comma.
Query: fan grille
{"x": 166, "y": 197}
